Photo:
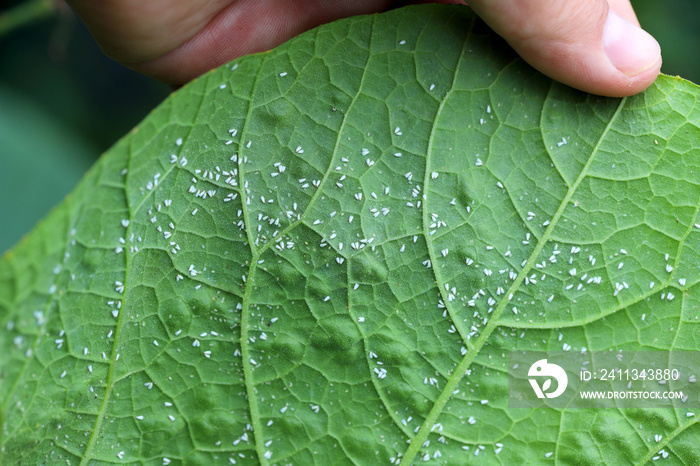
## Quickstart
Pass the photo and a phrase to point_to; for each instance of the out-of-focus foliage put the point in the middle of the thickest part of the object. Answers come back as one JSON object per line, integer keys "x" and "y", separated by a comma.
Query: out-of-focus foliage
{"x": 676, "y": 25}
{"x": 41, "y": 159}
{"x": 68, "y": 103}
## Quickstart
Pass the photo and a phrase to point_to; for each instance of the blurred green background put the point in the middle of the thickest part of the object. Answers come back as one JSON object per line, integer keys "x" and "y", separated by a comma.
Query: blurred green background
{"x": 63, "y": 103}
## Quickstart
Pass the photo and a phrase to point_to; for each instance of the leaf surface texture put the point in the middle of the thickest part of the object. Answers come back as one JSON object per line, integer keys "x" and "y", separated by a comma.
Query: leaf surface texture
{"x": 322, "y": 255}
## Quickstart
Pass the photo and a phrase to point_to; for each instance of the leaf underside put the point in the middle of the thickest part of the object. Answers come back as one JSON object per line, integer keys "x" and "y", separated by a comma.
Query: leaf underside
{"x": 322, "y": 255}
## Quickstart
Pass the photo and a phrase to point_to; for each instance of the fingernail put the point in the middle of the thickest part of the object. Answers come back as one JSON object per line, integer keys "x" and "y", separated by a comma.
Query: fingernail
{"x": 629, "y": 48}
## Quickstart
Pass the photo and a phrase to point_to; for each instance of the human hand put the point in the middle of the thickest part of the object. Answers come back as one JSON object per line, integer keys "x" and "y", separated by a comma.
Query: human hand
{"x": 593, "y": 45}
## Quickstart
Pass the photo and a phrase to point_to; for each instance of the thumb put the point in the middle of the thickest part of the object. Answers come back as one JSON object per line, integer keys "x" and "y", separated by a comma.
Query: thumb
{"x": 592, "y": 45}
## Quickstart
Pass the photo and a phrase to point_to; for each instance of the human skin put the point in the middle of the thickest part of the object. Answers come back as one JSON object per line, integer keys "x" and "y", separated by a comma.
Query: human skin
{"x": 592, "y": 45}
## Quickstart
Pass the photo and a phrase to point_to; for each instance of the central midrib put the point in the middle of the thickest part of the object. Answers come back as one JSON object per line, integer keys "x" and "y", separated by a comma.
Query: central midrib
{"x": 463, "y": 366}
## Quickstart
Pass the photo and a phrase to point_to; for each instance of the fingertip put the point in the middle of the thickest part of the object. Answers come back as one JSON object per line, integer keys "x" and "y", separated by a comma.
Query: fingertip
{"x": 639, "y": 82}
{"x": 629, "y": 48}
{"x": 632, "y": 60}
{"x": 584, "y": 44}
{"x": 596, "y": 74}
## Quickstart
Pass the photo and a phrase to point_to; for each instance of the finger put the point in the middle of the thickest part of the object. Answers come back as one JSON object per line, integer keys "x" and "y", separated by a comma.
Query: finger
{"x": 250, "y": 26}
{"x": 592, "y": 45}
{"x": 177, "y": 40}
{"x": 242, "y": 27}
{"x": 132, "y": 31}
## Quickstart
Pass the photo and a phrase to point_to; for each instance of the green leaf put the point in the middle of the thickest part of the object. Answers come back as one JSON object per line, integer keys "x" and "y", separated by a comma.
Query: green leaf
{"x": 307, "y": 257}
